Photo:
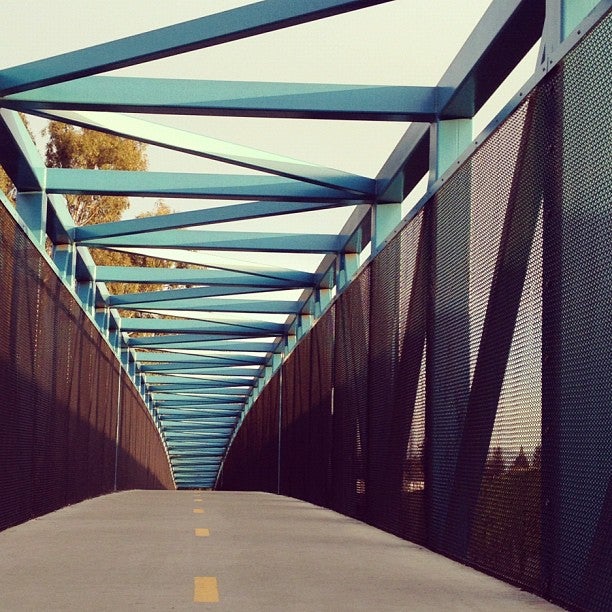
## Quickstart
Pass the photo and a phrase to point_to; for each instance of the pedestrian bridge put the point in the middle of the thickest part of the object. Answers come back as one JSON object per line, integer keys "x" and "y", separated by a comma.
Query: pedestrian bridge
{"x": 365, "y": 380}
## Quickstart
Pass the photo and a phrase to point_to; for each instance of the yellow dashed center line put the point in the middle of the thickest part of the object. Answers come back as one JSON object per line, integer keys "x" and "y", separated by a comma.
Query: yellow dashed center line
{"x": 198, "y": 511}
{"x": 202, "y": 533}
{"x": 205, "y": 589}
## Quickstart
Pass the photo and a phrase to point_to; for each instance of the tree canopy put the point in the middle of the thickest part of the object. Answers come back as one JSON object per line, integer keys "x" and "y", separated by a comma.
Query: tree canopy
{"x": 73, "y": 147}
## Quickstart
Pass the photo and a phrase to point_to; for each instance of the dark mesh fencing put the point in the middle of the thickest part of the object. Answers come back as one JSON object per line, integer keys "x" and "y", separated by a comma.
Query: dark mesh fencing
{"x": 253, "y": 464}
{"x": 458, "y": 392}
{"x": 142, "y": 463}
{"x": 58, "y": 396}
{"x": 349, "y": 451}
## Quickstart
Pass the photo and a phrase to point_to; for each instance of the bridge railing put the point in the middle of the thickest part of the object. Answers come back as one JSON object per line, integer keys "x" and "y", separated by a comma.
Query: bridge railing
{"x": 458, "y": 393}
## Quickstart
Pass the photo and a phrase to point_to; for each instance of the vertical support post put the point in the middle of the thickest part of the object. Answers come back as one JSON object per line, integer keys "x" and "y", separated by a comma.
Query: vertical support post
{"x": 291, "y": 339}
{"x": 280, "y": 430}
{"x": 102, "y": 320}
{"x": 305, "y": 318}
{"x": 65, "y": 260}
{"x": 562, "y": 17}
{"x": 32, "y": 208}
{"x": 118, "y": 429}
{"x": 387, "y": 212}
{"x": 448, "y": 139}
{"x": 86, "y": 293}
{"x": 348, "y": 260}
{"x": 324, "y": 291}
{"x": 386, "y": 218}
{"x": 277, "y": 360}
{"x": 573, "y": 12}
{"x": 447, "y": 236}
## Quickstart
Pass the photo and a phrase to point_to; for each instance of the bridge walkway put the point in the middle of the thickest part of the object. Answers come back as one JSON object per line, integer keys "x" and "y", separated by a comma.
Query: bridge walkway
{"x": 186, "y": 550}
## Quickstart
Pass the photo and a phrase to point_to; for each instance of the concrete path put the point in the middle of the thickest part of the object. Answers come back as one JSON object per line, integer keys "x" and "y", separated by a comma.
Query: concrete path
{"x": 166, "y": 550}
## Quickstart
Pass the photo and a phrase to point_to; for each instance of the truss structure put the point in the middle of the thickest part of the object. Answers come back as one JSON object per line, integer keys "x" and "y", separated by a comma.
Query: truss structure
{"x": 232, "y": 317}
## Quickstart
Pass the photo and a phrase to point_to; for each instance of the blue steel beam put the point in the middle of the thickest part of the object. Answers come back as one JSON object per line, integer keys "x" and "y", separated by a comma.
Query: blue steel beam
{"x": 235, "y": 98}
{"x": 213, "y": 371}
{"x": 205, "y": 346}
{"x": 193, "y": 445}
{"x": 272, "y": 279}
{"x": 18, "y": 154}
{"x": 203, "y": 463}
{"x": 197, "y": 402}
{"x": 187, "y": 342}
{"x": 201, "y": 468}
{"x": 242, "y": 22}
{"x": 232, "y": 418}
{"x": 192, "y": 185}
{"x": 210, "y": 305}
{"x": 211, "y": 425}
{"x": 230, "y": 411}
{"x": 213, "y": 420}
{"x": 226, "y": 241}
{"x": 200, "y": 403}
{"x": 161, "y": 379}
{"x": 195, "y": 454}
{"x": 186, "y": 367}
{"x": 201, "y": 435}
{"x": 194, "y": 458}
{"x": 211, "y": 327}
{"x": 164, "y": 357}
{"x": 187, "y": 388}
{"x": 212, "y": 148}
{"x": 119, "y": 301}
{"x": 212, "y": 392}
{"x": 206, "y": 216}
{"x": 506, "y": 32}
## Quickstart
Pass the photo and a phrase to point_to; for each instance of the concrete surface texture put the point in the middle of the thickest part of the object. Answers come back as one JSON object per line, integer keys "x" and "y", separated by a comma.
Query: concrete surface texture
{"x": 151, "y": 550}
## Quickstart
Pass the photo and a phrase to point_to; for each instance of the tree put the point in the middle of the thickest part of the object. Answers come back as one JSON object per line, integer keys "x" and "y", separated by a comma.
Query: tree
{"x": 536, "y": 460}
{"x": 495, "y": 465}
{"x": 6, "y": 185}
{"x": 520, "y": 462}
{"x": 73, "y": 147}
{"x": 104, "y": 257}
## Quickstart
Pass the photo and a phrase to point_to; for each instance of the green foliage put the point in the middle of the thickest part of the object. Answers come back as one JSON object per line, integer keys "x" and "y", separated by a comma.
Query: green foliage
{"x": 73, "y": 147}
{"x": 6, "y": 185}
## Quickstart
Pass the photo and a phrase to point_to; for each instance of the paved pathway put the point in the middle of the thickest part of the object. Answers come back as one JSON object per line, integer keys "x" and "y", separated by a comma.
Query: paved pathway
{"x": 167, "y": 550}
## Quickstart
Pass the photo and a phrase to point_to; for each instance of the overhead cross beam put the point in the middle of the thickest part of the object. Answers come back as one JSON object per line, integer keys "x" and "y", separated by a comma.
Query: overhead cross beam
{"x": 242, "y": 22}
{"x": 271, "y": 279}
{"x": 237, "y": 98}
{"x": 226, "y": 241}
{"x": 191, "y": 185}
{"x": 211, "y": 148}
{"x": 204, "y": 216}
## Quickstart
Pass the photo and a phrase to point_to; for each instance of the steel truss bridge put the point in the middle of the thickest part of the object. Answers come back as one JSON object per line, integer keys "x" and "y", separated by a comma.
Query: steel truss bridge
{"x": 462, "y": 307}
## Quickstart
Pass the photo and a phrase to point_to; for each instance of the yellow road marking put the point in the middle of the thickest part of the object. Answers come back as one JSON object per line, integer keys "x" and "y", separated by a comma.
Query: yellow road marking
{"x": 205, "y": 589}
{"x": 198, "y": 511}
{"x": 202, "y": 533}
{"x": 197, "y": 499}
